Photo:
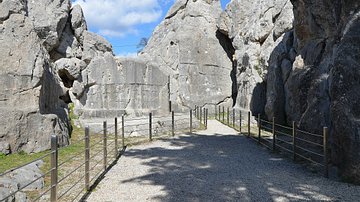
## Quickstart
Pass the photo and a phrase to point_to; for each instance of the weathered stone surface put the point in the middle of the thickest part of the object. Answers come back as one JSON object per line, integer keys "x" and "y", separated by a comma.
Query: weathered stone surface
{"x": 345, "y": 94}
{"x": 8, "y": 7}
{"x": 111, "y": 85}
{"x": 5, "y": 192}
{"x": 69, "y": 68}
{"x": 29, "y": 99}
{"x": 95, "y": 45}
{"x": 187, "y": 46}
{"x": 78, "y": 22}
{"x": 27, "y": 174}
{"x": 49, "y": 18}
{"x": 69, "y": 46}
{"x": 255, "y": 28}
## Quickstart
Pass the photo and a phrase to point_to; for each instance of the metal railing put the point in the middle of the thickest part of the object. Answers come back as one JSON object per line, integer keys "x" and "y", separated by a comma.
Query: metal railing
{"x": 308, "y": 146}
{"x": 93, "y": 166}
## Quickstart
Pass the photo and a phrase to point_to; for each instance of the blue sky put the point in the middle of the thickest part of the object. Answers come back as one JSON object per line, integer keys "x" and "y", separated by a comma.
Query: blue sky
{"x": 124, "y": 22}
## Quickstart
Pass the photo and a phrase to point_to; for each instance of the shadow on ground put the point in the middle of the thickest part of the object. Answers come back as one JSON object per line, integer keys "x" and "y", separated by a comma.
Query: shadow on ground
{"x": 231, "y": 168}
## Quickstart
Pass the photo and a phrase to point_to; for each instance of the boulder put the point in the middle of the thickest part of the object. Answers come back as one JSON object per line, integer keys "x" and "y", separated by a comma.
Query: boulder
{"x": 27, "y": 174}
{"x": 95, "y": 45}
{"x": 6, "y": 192}
{"x": 78, "y": 23}
{"x": 69, "y": 68}
{"x": 49, "y": 18}
{"x": 29, "y": 100}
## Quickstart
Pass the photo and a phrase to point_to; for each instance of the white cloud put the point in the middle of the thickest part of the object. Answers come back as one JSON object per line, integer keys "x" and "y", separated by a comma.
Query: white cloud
{"x": 116, "y": 18}
{"x": 133, "y": 55}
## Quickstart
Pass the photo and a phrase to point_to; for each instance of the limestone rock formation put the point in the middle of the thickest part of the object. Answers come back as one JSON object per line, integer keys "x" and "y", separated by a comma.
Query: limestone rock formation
{"x": 198, "y": 58}
{"x": 109, "y": 86}
{"x": 255, "y": 28}
{"x": 29, "y": 100}
{"x": 49, "y": 18}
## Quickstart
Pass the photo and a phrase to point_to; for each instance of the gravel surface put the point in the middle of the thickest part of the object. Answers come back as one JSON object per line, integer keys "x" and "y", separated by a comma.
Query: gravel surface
{"x": 214, "y": 165}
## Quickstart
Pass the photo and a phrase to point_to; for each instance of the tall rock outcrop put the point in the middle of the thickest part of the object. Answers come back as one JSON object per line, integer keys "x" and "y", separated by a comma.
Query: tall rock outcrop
{"x": 188, "y": 47}
{"x": 29, "y": 99}
{"x": 326, "y": 67}
{"x": 256, "y": 29}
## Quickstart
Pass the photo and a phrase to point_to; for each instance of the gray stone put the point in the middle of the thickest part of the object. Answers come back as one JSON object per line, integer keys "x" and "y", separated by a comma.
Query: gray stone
{"x": 22, "y": 197}
{"x": 27, "y": 174}
{"x": 70, "y": 68}
{"x": 78, "y": 22}
{"x": 95, "y": 45}
{"x": 29, "y": 99}
{"x": 110, "y": 86}
{"x": 198, "y": 58}
{"x": 6, "y": 192}
{"x": 49, "y": 18}
{"x": 69, "y": 46}
{"x": 8, "y": 7}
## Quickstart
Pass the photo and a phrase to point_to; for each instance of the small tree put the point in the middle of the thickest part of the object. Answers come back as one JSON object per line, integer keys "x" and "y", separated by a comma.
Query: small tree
{"x": 141, "y": 45}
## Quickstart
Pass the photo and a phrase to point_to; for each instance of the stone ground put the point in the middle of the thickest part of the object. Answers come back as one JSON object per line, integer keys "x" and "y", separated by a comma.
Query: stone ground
{"x": 217, "y": 164}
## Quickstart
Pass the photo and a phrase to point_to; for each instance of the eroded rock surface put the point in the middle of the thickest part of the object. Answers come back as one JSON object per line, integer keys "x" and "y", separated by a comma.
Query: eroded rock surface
{"x": 198, "y": 58}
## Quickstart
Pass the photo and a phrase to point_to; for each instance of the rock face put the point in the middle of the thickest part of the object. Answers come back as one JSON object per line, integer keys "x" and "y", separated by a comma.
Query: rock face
{"x": 198, "y": 58}
{"x": 327, "y": 64}
{"x": 255, "y": 28}
{"x": 29, "y": 99}
{"x": 110, "y": 86}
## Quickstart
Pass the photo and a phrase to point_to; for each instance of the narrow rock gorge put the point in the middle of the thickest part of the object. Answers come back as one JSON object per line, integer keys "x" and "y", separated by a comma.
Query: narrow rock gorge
{"x": 295, "y": 60}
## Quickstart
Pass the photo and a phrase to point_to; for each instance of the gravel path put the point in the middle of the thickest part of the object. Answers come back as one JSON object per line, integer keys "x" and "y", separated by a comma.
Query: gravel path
{"x": 214, "y": 165}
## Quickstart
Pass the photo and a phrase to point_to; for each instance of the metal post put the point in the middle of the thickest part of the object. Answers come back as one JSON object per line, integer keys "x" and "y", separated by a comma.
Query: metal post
{"x": 294, "y": 142}
{"x": 105, "y": 146}
{"x": 274, "y": 136}
{"x": 205, "y": 117}
{"x": 259, "y": 125}
{"x": 223, "y": 114}
{"x": 219, "y": 113}
{"x": 87, "y": 157}
{"x": 150, "y": 126}
{"x": 173, "y": 123}
{"x": 234, "y": 118}
{"x": 123, "y": 131}
{"x": 240, "y": 122}
{"x": 54, "y": 167}
{"x": 195, "y": 111}
{"x": 248, "y": 124}
{"x": 200, "y": 113}
{"x": 228, "y": 116}
{"x": 326, "y": 153}
{"x": 116, "y": 137}
{"x": 215, "y": 112}
{"x": 190, "y": 121}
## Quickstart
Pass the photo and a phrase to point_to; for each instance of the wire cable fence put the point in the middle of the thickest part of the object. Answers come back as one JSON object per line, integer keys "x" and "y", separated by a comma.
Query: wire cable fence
{"x": 74, "y": 169}
{"x": 301, "y": 145}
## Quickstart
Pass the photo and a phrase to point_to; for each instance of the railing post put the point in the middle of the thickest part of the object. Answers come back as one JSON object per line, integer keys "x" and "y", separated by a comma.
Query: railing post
{"x": 234, "y": 118}
{"x": 207, "y": 116}
{"x": 173, "y": 123}
{"x": 249, "y": 124}
{"x": 274, "y": 136}
{"x": 228, "y": 116}
{"x": 190, "y": 120}
{"x": 200, "y": 113}
{"x": 123, "y": 131}
{"x": 150, "y": 127}
{"x": 240, "y": 122}
{"x": 87, "y": 157}
{"x": 326, "y": 154}
{"x": 294, "y": 142}
{"x": 105, "y": 146}
{"x": 215, "y": 112}
{"x": 223, "y": 114}
{"x": 259, "y": 125}
{"x": 54, "y": 167}
{"x": 116, "y": 137}
{"x": 219, "y": 113}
